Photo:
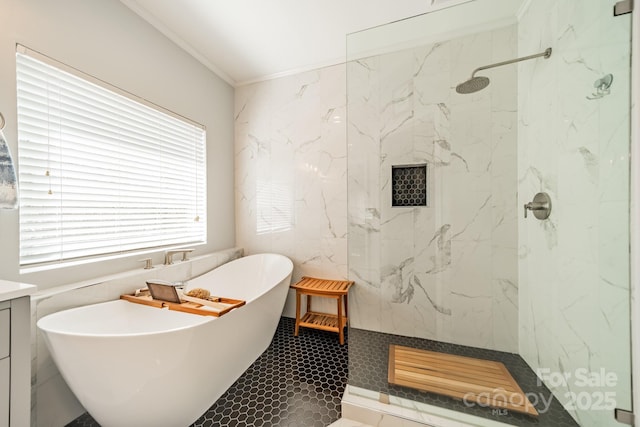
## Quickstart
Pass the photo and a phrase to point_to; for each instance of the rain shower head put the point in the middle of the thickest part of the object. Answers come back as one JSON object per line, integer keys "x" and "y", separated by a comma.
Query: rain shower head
{"x": 475, "y": 84}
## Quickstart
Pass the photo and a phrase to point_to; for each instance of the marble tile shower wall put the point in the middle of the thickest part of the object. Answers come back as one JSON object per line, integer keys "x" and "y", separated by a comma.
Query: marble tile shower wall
{"x": 574, "y": 283}
{"x": 291, "y": 166}
{"x": 446, "y": 272}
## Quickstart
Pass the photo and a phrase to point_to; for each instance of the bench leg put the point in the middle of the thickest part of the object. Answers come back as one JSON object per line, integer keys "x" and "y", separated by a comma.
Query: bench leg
{"x": 340, "y": 323}
{"x": 295, "y": 334}
{"x": 346, "y": 305}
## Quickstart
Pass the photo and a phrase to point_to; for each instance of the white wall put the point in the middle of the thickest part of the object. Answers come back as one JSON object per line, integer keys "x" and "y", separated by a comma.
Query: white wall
{"x": 107, "y": 40}
{"x": 290, "y": 156}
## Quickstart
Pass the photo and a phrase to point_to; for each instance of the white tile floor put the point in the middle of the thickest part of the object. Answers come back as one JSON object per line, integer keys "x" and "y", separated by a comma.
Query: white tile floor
{"x": 362, "y": 408}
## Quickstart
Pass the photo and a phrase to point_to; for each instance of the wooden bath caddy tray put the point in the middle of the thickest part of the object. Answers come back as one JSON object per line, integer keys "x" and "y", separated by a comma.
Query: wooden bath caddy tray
{"x": 486, "y": 382}
{"x": 217, "y": 305}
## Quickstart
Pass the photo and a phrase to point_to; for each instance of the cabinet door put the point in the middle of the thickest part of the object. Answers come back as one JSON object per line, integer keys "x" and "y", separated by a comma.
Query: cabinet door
{"x": 4, "y": 367}
{"x": 5, "y": 328}
{"x": 4, "y": 392}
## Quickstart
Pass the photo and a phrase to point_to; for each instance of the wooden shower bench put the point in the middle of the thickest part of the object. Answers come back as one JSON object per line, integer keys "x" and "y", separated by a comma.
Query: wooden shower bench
{"x": 314, "y": 287}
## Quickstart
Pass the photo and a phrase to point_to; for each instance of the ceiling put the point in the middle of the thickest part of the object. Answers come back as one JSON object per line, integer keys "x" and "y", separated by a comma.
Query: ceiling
{"x": 244, "y": 41}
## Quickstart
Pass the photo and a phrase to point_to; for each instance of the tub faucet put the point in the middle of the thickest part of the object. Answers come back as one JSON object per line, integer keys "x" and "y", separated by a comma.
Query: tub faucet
{"x": 168, "y": 255}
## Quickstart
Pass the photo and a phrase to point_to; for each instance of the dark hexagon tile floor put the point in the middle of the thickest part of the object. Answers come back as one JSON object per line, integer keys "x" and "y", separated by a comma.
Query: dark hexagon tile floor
{"x": 297, "y": 381}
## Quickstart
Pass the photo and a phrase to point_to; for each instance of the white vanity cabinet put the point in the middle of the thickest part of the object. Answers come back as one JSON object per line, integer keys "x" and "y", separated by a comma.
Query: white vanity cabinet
{"x": 15, "y": 354}
{"x": 5, "y": 374}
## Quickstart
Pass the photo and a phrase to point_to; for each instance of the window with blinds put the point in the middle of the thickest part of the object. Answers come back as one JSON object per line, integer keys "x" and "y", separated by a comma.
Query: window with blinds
{"x": 101, "y": 172}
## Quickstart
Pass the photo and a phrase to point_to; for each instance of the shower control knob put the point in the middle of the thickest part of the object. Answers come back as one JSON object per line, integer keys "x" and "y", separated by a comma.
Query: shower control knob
{"x": 540, "y": 206}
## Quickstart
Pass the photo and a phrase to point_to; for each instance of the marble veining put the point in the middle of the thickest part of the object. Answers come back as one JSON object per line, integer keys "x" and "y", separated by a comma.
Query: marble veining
{"x": 437, "y": 307}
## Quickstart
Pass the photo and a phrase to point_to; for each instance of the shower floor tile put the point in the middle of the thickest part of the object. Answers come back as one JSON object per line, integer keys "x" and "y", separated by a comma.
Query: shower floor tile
{"x": 368, "y": 369}
{"x": 297, "y": 381}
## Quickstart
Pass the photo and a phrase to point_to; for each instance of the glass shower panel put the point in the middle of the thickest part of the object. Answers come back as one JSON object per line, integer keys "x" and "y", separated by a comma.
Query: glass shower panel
{"x": 573, "y": 143}
{"x": 468, "y": 274}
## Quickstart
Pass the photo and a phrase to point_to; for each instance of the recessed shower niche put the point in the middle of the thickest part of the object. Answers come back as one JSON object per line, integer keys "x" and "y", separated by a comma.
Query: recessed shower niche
{"x": 409, "y": 185}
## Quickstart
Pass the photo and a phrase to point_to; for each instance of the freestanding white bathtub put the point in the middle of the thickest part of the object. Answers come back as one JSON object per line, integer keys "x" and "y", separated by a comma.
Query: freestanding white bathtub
{"x": 134, "y": 365}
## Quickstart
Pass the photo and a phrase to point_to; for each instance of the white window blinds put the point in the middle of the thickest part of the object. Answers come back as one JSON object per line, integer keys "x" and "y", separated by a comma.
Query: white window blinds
{"x": 101, "y": 173}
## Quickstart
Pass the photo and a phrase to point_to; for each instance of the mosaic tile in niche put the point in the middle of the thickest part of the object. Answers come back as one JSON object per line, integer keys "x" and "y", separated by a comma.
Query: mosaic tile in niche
{"x": 409, "y": 185}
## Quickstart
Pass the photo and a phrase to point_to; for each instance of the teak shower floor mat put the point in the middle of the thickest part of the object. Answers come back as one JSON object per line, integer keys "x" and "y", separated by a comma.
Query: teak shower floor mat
{"x": 475, "y": 381}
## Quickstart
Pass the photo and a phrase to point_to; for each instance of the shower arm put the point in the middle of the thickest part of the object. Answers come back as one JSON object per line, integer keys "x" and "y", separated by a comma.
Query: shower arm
{"x": 546, "y": 54}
